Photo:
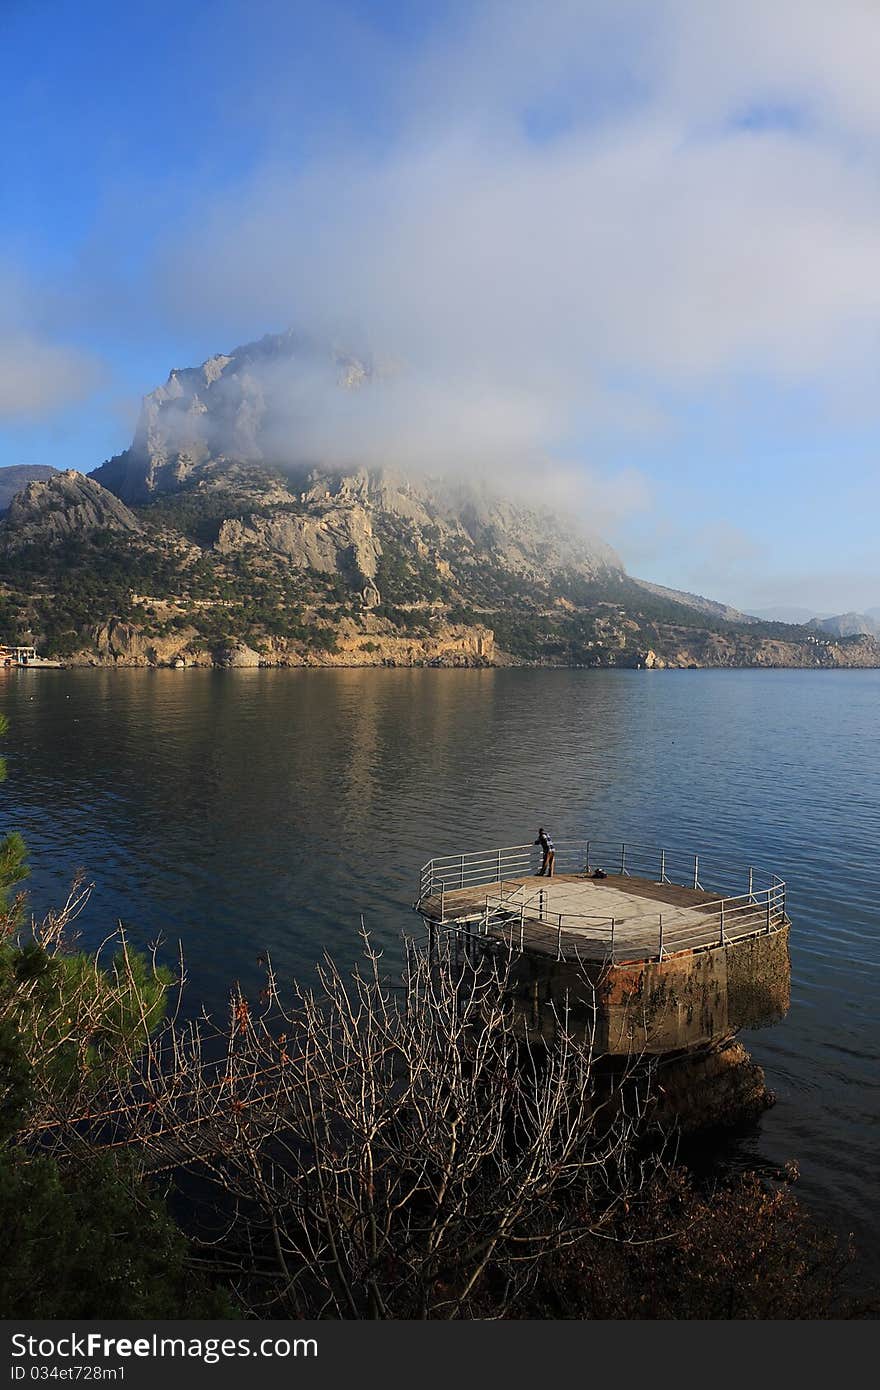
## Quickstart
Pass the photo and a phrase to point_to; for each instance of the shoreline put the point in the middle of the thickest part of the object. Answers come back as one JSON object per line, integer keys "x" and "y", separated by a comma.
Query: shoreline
{"x": 304, "y": 666}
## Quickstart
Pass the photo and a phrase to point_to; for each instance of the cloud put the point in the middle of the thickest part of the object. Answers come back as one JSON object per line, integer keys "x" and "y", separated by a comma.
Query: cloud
{"x": 38, "y": 378}
{"x": 556, "y": 267}
{"x": 39, "y": 374}
{"x": 792, "y": 57}
{"x": 666, "y": 231}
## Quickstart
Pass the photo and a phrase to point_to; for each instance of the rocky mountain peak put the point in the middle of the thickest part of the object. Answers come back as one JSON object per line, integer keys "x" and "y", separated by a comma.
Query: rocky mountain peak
{"x": 64, "y": 505}
{"x": 223, "y": 425}
{"x": 223, "y": 412}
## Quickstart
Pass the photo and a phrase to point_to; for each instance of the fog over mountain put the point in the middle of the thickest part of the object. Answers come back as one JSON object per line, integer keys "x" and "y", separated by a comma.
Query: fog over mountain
{"x": 286, "y": 403}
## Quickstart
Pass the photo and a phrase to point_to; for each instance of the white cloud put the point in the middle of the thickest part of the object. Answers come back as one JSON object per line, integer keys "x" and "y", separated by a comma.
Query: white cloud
{"x": 38, "y": 378}
{"x": 816, "y": 57}
{"x": 39, "y": 374}
{"x": 521, "y": 277}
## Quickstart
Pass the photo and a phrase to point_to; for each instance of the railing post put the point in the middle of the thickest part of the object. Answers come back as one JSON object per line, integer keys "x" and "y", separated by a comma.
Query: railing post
{"x": 522, "y": 927}
{"x": 722, "y": 920}
{"x": 751, "y": 882}
{"x": 541, "y": 903}
{"x": 612, "y": 940}
{"x": 499, "y": 866}
{"x": 696, "y": 872}
{"x": 660, "y": 956}
{"x": 559, "y": 939}
{"x": 768, "y": 909}
{"x": 622, "y": 860}
{"x": 783, "y": 904}
{"x": 587, "y": 865}
{"x": 461, "y": 872}
{"x": 663, "y": 866}
{"x": 443, "y": 900}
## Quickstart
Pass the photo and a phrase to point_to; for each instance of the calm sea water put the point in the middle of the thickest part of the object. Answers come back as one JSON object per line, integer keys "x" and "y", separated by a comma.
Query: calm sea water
{"x": 242, "y": 811}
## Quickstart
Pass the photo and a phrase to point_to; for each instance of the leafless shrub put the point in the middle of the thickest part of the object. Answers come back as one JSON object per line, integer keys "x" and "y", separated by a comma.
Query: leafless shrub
{"x": 376, "y": 1151}
{"x": 367, "y": 1149}
{"x": 383, "y": 1152}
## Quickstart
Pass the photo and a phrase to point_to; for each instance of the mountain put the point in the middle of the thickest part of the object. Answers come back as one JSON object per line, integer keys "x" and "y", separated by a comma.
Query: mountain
{"x": 847, "y": 625}
{"x": 786, "y": 613}
{"x": 217, "y": 428}
{"x": 214, "y": 538}
{"x": 708, "y": 606}
{"x": 838, "y": 624}
{"x": 15, "y": 477}
{"x": 205, "y": 418}
{"x": 64, "y": 506}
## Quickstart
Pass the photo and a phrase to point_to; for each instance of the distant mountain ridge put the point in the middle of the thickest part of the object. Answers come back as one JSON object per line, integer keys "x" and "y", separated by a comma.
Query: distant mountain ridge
{"x": 787, "y": 613}
{"x": 840, "y": 624}
{"x": 701, "y": 605}
{"x": 210, "y": 540}
{"x": 847, "y": 625}
{"x": 16, "y": 477}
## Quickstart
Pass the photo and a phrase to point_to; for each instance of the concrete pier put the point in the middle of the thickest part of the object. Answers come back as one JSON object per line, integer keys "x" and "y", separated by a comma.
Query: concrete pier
{"x": 650, "y": 966}
{"x": 689, "y": 999}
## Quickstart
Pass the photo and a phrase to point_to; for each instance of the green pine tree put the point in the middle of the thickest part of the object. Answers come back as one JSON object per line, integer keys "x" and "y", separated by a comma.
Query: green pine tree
{"x": 13, "y": 856}
{"x": 82, "y": 1237}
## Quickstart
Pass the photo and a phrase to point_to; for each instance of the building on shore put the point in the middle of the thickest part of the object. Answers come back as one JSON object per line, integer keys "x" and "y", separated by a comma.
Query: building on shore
{"x": 23, "y": 656}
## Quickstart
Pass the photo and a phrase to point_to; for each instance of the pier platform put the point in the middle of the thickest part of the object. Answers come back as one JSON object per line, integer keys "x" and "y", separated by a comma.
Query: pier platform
{"x": 651, "y": 902}
{"x": 666, "y": 953}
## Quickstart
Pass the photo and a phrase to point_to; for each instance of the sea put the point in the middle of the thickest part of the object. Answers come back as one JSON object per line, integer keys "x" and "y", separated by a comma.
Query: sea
{"x": 233, "y": 815}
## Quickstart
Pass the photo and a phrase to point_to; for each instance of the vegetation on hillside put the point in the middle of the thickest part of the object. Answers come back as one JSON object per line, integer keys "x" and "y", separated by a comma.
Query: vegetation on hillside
{"x": 171, "y": 579}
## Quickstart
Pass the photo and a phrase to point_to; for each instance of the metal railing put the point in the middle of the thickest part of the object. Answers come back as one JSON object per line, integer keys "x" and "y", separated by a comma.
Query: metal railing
{"x": 745, "y": 901}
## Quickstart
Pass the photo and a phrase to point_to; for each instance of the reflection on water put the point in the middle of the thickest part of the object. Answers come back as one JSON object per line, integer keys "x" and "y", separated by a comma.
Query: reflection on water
{"x": 239, "y": 811}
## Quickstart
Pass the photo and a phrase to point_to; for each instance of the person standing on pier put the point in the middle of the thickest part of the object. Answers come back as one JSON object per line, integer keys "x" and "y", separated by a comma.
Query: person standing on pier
{"x": 548, "y": 851}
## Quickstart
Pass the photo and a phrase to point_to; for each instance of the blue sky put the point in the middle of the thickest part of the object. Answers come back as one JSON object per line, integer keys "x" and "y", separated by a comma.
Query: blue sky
{"x": 618, "y": 253}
